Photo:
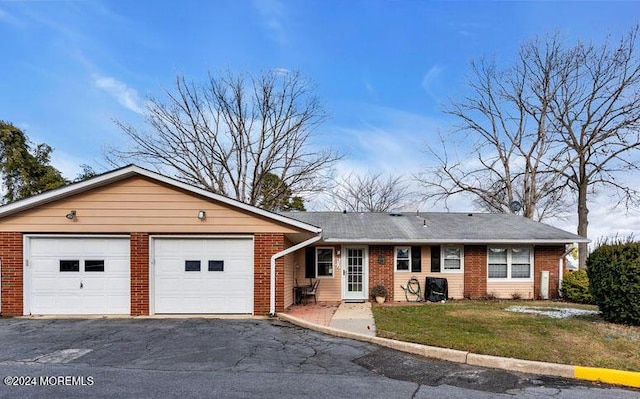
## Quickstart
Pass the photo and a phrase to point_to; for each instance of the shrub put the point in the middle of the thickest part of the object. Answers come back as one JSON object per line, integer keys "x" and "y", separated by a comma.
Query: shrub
{"x": 575, "y": 287}
{"x": 614, "y": 276}
{"x": 379, "y": 290}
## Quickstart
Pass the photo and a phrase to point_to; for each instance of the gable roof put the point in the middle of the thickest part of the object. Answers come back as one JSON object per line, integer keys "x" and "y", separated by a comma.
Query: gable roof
{"x": 133, "y": 170}
{"x": 435, "y": 228}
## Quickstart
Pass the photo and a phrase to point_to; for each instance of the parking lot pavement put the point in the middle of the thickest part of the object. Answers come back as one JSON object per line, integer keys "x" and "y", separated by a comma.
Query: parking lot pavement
{"x": 201, "y": 357}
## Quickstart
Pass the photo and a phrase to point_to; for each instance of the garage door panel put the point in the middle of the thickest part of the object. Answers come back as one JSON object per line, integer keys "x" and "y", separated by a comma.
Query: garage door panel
{"x": 204, "y": 291}
{"x": 53, "y": 291}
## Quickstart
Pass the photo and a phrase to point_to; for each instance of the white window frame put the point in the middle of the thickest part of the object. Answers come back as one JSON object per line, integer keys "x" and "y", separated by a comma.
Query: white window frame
{"x": 333, "y": 266}
{"x": 395, "y": 259}
{"x": 442, "y": 251}
{"x": 509, "y": 249}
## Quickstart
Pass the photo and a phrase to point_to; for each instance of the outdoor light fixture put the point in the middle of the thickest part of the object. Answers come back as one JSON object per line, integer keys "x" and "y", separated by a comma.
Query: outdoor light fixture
{"x": 380, "y": 259}
{"x": 202, "y": 215}
{"x": 71, "y": 215}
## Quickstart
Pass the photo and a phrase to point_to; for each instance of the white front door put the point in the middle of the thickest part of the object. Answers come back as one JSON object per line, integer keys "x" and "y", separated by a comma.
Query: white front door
{"x": 354, "y": 273}
{"x": 203, "y": 275}
{"x": 77, "y": 275}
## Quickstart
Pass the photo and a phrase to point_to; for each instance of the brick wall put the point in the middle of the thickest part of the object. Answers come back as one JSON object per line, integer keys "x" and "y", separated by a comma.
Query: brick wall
{"x": 139, "y": 252}
{"x": 475, "y": 271}
{"x": 12, "y": 262}
{"x": 266, "y": 245}
{"x": 381, "y": 272}
{"x": 546, "y": 258}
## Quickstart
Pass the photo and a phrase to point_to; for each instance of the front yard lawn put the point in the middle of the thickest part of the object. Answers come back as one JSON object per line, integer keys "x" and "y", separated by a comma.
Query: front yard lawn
{"x": 485, "y": 327}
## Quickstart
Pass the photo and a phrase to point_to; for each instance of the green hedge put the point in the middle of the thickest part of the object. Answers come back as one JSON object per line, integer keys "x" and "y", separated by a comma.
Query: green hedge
{"x": 614, "y": 278}
{"x": 575, "y": 287}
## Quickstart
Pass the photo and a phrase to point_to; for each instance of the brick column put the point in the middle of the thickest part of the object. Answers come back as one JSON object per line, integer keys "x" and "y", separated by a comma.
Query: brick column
{"x": 11, "y": 256}
{"x": 475, "y": 271}
{"x": 266, "y": 245}
{"x": 546, "y": 258}
{"x": 139, "y": 274}
{"x": 381, "y": 272}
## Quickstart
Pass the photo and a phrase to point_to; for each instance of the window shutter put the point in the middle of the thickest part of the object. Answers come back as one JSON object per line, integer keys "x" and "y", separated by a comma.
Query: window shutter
{"x": 416, "y": 262}
{"x": 435, "y": 259}
{"x": 310, "y": 263}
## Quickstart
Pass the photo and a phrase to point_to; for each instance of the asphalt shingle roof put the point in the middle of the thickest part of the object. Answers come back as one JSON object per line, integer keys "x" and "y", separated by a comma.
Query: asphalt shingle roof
{"x": 432, "y": 228}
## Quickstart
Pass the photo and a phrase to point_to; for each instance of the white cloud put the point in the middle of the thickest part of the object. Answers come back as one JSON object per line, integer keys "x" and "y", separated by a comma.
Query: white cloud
{"x": 431, "y": 77}
{"x": 392, "y": 141}
{"x": 126, "y": 96}
{"x": 387, "y": 140}
{"x": 605, "y": 220}
{"x": 281, "y": 71}
{"x": 8, "y": 18}
{"x": 369, "y": 87}
{"x": 273, "y": 14}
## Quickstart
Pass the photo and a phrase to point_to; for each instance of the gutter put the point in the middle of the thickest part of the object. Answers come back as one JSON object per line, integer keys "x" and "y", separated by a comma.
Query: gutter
{"x": 272, "y": 293}
{"x": 439, "y": 241}
{"x": 561, "y": 267}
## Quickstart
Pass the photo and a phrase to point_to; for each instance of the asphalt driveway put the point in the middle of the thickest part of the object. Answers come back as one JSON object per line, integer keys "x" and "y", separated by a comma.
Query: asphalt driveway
{"x": 238, "y": 358}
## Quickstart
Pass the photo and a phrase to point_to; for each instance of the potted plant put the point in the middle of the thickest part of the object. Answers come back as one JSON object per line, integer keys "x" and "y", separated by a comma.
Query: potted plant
{"x": 379, "y": 292}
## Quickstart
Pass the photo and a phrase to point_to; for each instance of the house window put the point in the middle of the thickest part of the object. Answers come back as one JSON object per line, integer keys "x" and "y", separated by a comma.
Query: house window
{"x": 403, "y": 259}
{"x": 498, "y": 265}
{"x": 69, "y": 265}
{"x": 94, "y": 265}
{"x": 324, "y": 262}
{"x": 509, "y": 263}
{"x": 216, "y": 265}
{"x": 452, "y": 259}
{"x": 191, "y": 265}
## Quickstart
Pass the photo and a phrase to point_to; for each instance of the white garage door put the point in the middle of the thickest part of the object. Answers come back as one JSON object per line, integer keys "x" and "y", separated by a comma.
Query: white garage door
{"x": 78, "y": 276}
{"x": 203, "y": 275}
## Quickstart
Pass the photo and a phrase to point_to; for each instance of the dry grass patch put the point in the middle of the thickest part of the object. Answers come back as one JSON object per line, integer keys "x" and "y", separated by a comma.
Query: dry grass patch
{"x": 487, "y": 328}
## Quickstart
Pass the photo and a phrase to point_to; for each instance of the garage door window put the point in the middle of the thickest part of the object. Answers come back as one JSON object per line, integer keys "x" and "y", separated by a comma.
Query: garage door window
{"x": 94, "y": 265}
{"x": 216, "y": 265}
{"x": 69, "y": 265}
{"x": 192, "y": 266}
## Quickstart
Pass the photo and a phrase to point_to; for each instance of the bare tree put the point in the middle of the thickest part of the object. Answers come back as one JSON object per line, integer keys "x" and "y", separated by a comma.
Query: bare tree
{"x": 232, "y": 132}
{"x": 512, "y": 155}
{"x": 369, "y": 193}
{"x": 559, "y": 125}
{"x": 597, "y": 117}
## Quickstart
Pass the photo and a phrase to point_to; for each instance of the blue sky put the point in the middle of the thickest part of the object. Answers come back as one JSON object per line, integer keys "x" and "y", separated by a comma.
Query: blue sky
{"x": 382, "y": 68}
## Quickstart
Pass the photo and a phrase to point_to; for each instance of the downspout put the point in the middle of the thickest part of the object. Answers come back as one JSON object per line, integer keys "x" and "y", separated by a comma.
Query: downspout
{"x": 272, "y": 299}
{"x": 561, "y": 267}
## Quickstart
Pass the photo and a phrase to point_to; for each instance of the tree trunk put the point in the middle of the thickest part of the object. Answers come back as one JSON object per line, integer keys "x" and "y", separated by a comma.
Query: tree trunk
{"x": 583, "y": 223}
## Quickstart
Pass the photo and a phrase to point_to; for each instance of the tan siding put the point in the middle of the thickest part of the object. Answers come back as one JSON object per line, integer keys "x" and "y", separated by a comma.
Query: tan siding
{"x": 329, "y": 289}
{"x": 506, "y": 289}
{"x": 455, "y": 281}
{"x": 139, "y": 204}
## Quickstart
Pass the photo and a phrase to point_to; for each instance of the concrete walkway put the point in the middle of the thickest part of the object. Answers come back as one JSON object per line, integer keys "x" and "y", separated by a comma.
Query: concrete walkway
{"x": 354, "y": 317}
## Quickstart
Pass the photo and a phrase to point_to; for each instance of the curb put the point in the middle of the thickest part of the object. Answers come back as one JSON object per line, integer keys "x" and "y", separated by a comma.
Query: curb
{"x": 608, "y": 376}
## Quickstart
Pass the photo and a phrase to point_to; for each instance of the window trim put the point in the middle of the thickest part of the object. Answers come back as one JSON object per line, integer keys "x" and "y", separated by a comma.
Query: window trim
{"x": 395, "y": 258}
{"x": 509, "y": 249}
{"x": 333, "y": 262}
{"x": 452, "y": 271}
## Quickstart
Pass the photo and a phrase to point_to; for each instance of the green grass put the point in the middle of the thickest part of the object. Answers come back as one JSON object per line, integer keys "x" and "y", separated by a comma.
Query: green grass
{"x": 487, "y": 328}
